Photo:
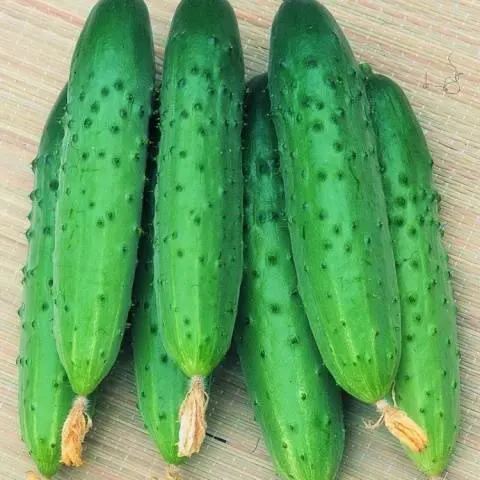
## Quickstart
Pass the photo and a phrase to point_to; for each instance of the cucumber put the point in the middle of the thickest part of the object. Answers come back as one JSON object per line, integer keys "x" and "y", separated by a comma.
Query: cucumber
{"x": 334, "y": 201}
{"x": 427, "y": 385}
{"x": 161, "y": 385}
{"x": 198, "y": 218}
{"x": 100, "y": 191}
{"x": 296, "y": 401}
{"x": 45, "y": 395}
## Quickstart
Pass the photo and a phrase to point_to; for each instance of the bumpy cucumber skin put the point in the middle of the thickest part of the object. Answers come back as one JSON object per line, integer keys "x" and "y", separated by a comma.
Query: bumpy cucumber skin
{"x": 198, "y": 222}
{"x": 101, "y": 186}
{"x": 296, "y": 401}
{"x": 428, "y": 384}
{"x": 161, "y": 385}
{"x": 45, "y": 395}
{"x": 334, "y": 200}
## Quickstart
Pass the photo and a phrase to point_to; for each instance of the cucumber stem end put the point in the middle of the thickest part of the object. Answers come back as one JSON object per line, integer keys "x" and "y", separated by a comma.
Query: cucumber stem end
{"x": 76, "y": 426}
{"x": 401, "y": 426}
{"x": 193, "y": 425}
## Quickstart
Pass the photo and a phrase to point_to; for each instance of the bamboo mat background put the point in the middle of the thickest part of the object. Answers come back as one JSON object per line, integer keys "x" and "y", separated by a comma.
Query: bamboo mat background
{"x": 431, "y": 47}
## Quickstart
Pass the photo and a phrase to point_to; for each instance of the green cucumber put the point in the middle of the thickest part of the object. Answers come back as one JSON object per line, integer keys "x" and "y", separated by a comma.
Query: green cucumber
{"x": 45, "y": 395}
{"x": 334, "y": 200}
{"x": 296, "y": 401}
{"x": 198, "y": 218}
{"x": 427, "y": 386}
{"x": 101, "y": 186}
{"x": 198, "y": 259}
{"x": 198, "y": 222}
{"x": 161, "y": 385}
